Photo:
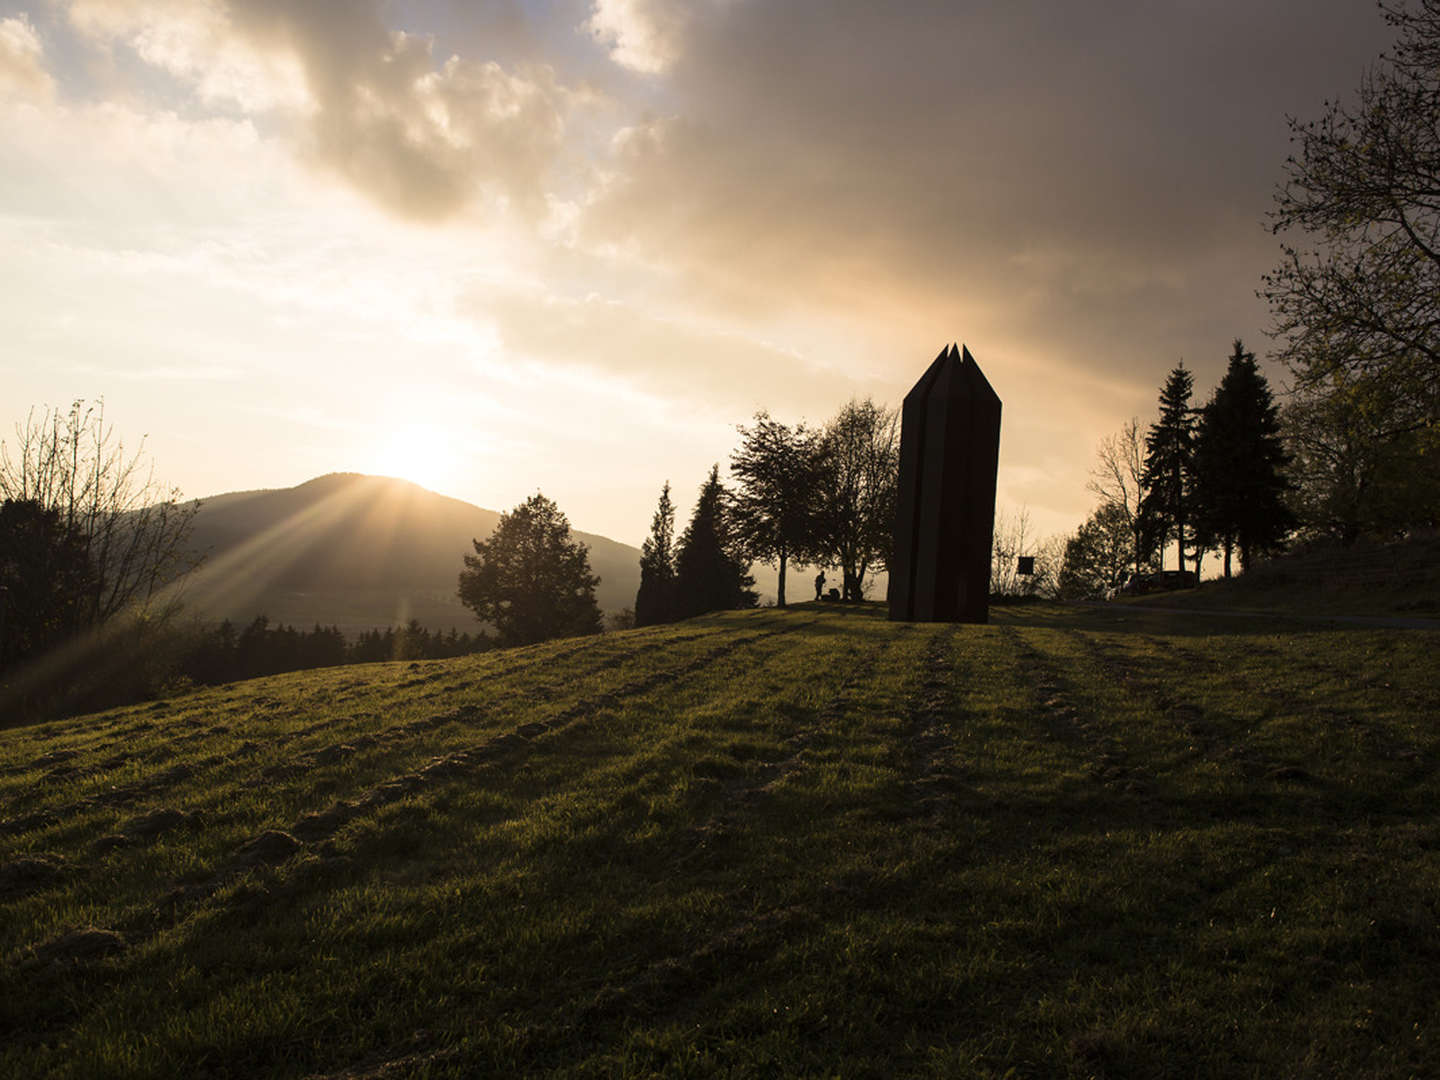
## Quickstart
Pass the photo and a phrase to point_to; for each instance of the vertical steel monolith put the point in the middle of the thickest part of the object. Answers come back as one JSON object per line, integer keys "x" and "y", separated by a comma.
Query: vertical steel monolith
{"x": 945, "y": 503}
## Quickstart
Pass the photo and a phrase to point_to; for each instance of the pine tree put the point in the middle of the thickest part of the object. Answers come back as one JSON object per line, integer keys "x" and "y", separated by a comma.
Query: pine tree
{"x": 1239, "y": 465}
{"x": 655, "y": 600}
{"x": 1169, "y": 446}
{"x": 710, "y": 572}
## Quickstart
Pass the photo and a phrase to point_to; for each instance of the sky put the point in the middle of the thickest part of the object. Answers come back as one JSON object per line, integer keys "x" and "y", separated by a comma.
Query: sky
{"x": 568, "y": 245}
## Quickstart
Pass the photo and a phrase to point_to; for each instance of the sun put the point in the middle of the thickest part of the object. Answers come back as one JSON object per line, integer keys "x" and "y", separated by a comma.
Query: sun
{"x": 422, "y": 454}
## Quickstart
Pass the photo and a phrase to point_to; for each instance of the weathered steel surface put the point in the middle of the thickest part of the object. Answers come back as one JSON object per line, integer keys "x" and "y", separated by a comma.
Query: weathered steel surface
{"x": 945, "y": 505}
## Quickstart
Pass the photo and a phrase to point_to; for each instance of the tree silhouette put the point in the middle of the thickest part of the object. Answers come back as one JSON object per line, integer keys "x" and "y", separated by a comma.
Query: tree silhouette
{"x": 655, "y": 599}
{"x": 1353, "y": 472}
{"x": 529, "y": 579}
{"x": 710, "y": 568}
{"x": 132, "y": 529}
{"x": 1099, "y": 555}
{"x": 859, "y": 472}
{"x": 1358, "y": 288}
{"x": 1239, "y": 465}
{"x": 1166, "y": 477}
{"x": 46, "y": 577}
{"x": 1117, "y": 478}
{"x": 773, "y": 513}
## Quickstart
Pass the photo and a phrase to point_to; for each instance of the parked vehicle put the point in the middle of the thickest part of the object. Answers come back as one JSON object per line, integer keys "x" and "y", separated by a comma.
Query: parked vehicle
{"x": 1159, "y": 581}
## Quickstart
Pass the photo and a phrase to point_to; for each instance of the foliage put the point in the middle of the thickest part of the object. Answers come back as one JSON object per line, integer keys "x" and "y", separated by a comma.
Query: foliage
{"x": 45, "y": 578}
{"x": 1115, "y": 842}
{"x": 1356, "y": 298}
{"x": 1358, "y": 290}
{"x": 1100, "y": 555}
{"x": 773, "y": 512}
{"x": 710, "y": 565}
{"x": 1239, "y": 462}
{"x": 529, "y": 579}
{"x": 132, "y": 529}
{"x": 655, "y": 601}
{"x": 1166, "y": 477}
{"x": 1117, "y": 478}
{"x": 859, "y": 470}
{"x": 1355, "y": 471}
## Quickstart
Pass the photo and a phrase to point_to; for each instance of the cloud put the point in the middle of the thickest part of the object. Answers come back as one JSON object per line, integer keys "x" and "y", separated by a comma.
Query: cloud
{"x": 642, "y": 35}
{"x": 423, "y": 137}
{"x": 22, "y": 60}
{"x": 1064, "y": 178}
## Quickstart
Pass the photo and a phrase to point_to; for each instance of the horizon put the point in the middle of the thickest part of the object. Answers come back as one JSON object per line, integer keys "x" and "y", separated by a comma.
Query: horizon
{"x": 570, "y": 247}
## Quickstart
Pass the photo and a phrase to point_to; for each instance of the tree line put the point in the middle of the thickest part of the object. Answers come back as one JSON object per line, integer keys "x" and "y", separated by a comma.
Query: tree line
{"x": 822, "y": 497}
{"x": 220, "y": 654}
{"x": 1206, "y": 479}
{"x": 1354, "y": 451}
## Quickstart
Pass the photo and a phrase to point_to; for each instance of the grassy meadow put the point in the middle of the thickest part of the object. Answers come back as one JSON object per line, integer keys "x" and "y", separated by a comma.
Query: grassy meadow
{"x": 1073, "y": 842}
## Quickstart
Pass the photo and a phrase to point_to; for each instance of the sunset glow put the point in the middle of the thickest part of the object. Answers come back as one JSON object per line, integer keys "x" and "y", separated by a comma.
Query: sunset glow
{"x": 567, "y": 247}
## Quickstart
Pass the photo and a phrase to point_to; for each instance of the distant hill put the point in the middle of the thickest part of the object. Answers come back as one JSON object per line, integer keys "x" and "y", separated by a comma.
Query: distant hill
{"x": 356, "y": 551}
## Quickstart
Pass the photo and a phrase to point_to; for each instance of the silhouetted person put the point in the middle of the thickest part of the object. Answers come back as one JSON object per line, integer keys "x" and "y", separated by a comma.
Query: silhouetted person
{"x": 819, "y": 584}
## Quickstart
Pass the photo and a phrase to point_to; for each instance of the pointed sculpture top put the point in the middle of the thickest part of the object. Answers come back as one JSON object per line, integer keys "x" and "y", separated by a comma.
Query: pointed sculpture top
{"x": 956, "y": 374}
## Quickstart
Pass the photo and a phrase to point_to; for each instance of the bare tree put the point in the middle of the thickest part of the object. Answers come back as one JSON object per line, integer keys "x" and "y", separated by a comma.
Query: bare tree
{"x": 1115, "y": 477}
{"x": 132, "y": 529}
{"x": 1014, "y": 537}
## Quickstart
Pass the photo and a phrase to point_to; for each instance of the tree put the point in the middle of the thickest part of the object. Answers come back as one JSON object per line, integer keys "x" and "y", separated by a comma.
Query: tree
{"x": 859, "y": 466}
{"x": 1013, "y": 537}
{"x": 1099, "y": 555}
{"x": 1358, "y": 288}
{"x": 530, "y": 580}
{"x": 132, "y": 529}
{"x": 1166, "y": 476}
{"x": 655, "y": 600}
{"x": 1239, "y": 464}
{"x": 1351, "y": 472}
{"x": 710, "y": 569}
{"x": 773, "y": 512}
{"x": 1117, "y": 478}
{"x": 45, "y": 577}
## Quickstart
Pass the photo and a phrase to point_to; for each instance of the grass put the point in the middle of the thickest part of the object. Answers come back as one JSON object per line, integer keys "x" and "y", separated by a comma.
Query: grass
{"x": 1398, "y": 580}
{"x": 809, "y": 842}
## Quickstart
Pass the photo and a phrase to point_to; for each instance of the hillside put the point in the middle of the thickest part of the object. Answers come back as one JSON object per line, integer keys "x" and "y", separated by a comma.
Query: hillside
{"x": 1068, "y": 843}
{"x": 357, "y": 551}
{"x": 1399, "y": 579}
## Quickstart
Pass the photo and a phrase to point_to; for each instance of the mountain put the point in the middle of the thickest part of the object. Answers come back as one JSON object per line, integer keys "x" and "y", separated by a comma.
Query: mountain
{"x": 359, "y": 552}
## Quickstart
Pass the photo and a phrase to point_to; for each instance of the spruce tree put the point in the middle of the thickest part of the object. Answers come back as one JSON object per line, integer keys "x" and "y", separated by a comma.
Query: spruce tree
{"x": 1169, "y": 446}
{"x": 710, "y": 572}
{"x": 1239, "y": 465}
{"x": 655, "y": 600}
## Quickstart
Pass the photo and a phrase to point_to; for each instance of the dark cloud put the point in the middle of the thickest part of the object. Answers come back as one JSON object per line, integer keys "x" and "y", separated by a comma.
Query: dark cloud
{"x": 1063, "y": 175}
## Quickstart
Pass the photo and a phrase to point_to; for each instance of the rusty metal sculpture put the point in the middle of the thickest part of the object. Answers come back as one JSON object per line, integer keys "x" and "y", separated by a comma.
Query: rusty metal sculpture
{"x": 945, "y": 504}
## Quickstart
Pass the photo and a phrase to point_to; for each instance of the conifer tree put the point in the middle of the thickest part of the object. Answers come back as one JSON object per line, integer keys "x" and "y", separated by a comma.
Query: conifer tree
{"x": 530, "y": 580}
{"x": 1169, "y": 446}
{"x": 655, "y": 600}
{"x": 710, "y": 571}
{"x": 1239, "y": 465}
